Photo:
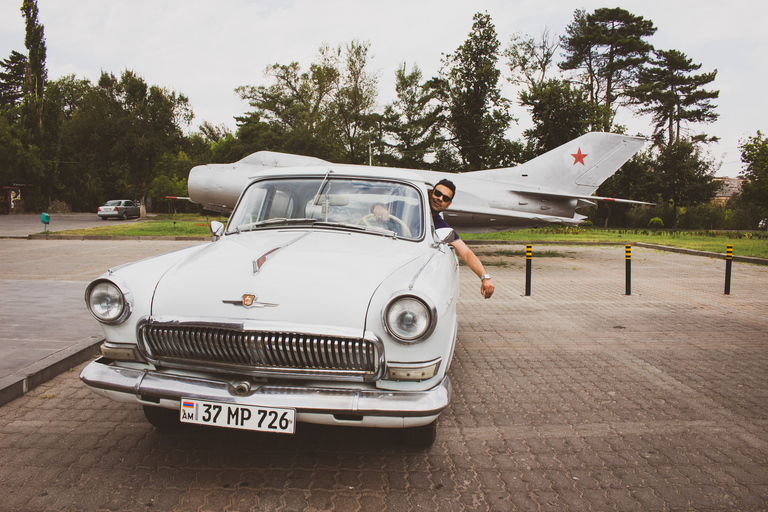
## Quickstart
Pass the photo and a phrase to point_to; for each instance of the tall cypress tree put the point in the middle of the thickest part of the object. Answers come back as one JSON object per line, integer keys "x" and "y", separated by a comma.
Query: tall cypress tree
{"x": 36, "y": 74}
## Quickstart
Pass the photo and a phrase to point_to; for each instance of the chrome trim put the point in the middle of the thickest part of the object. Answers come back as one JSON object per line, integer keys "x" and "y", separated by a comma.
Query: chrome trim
{"x": 120, "y": 351}
{"x": 260, "y": 349}
{"x": 100, "y": 374}
{"x": 127, "y": 298}
{"x": 418, "y": 273}
{"x": 259, "y": 262}
{"x": 437, "y": 362}
{"x": 416, "y": 295}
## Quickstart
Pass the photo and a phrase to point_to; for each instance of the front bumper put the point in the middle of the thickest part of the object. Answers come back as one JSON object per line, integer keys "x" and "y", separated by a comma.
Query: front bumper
{"x": 366, "y": 407}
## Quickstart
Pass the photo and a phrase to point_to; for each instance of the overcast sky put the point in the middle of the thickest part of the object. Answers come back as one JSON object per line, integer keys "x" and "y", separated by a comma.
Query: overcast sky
{"x": 206, "y": 49}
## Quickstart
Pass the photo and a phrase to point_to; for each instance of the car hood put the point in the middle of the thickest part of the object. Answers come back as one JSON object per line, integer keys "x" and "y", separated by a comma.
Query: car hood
{"x": 311, "y": 279}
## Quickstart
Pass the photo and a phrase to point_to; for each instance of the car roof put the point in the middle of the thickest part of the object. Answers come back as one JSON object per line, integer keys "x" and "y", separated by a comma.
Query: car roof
{"x": 342, "y": 170}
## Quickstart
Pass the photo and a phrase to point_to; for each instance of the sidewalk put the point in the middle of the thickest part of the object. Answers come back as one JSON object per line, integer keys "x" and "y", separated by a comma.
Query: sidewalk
{"x": 45, "y": 328}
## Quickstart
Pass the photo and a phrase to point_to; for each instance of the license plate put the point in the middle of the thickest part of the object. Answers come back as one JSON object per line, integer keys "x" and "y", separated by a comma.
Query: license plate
{"x": 246, "y": 417}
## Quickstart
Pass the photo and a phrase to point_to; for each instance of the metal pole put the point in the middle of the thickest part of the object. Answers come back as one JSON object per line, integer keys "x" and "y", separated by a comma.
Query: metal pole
{"x": 628, "y": 257}
{"x": 528, "y": 255}
{"x": 728, "y": 266}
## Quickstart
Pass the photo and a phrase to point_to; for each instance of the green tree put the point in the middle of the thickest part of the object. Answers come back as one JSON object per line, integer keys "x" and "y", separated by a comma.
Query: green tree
{"x": 412, "y": 122}
{"x": 295, "y": 114}
{"x": 635, "y": 180}
{"x": 354, "y": 102}
{"x": 478, "y": 116}
{"x": 116, "y": 135}
{"x": 529, "y": 60}
{"x": 560, "y": 113}
{"x": 608, "y": 48}
{"x": 152, "y": 120}
{"x": 12, "y": 85}
{"x": 754, "y": 191}
{"x": 669, "y": 91}
{"x": 684, "y": 177}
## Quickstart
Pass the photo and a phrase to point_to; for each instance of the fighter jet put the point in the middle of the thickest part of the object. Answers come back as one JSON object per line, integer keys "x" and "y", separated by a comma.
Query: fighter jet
{"x": 546, "y": 190}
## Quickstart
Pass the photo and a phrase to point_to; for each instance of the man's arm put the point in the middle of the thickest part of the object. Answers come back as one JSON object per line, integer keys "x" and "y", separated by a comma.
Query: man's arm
{"x": 474, "y": 263}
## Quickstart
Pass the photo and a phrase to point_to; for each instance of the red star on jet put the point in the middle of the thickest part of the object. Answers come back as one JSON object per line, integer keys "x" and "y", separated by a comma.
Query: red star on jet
{"x": 578, "y": 157}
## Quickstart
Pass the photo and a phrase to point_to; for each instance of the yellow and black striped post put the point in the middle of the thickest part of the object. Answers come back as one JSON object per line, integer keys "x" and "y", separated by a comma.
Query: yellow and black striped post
{"x": 628, "y": 276}
{"x": 728, "y": 266}
{"x": 528, "y": 256}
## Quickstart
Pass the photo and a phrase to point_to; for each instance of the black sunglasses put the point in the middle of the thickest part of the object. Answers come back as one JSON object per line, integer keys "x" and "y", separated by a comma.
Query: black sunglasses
{"x": 443, "y": 197}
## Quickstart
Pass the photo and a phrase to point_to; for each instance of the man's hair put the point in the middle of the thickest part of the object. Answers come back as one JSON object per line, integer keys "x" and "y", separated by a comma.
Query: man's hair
{"x": 450, "y": 186}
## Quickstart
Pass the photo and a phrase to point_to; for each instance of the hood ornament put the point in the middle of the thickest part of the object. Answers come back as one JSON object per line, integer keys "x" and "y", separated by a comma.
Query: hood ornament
{"x": 249, "y": 301}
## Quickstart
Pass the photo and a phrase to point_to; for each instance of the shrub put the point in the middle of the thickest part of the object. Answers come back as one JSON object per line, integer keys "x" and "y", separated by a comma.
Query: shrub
{"x": 656, "y": 223}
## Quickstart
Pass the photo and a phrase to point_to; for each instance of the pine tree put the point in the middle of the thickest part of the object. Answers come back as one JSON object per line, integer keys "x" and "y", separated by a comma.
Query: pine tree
{"x": 669, "y": 91}
{"x": 609, "y": 47}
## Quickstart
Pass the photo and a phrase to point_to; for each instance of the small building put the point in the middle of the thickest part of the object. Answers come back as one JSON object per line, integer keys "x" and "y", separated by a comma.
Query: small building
{"x": 729, "y": 188}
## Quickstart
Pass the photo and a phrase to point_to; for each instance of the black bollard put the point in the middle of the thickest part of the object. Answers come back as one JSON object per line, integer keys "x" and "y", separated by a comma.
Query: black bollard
{"x": 628, "y": 257}
{"x": 528, "y": 254}
{"x": 728, "y": 265}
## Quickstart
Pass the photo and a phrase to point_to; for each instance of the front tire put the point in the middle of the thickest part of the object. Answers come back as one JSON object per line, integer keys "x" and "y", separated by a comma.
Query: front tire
{"x": 164, "y": 419}
{"x": 422, "y": 437}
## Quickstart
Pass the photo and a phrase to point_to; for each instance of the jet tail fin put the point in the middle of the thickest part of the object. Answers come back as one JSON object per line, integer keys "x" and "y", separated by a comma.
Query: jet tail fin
{"x": 577, "y": 167}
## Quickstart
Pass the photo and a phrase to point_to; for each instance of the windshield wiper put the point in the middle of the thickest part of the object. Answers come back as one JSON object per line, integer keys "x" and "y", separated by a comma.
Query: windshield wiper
{"x": 271, "y": 222}
{"x": 358, "y": 227}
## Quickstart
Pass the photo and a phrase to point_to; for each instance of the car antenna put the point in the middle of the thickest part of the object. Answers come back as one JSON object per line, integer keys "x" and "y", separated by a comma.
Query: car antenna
{"x": 322, "y": 186}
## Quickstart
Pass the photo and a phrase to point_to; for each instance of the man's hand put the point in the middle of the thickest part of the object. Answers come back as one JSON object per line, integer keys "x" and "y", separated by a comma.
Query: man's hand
{"x": 381, "y": 213}
{"x": 486, "y": 288}
{"x": 472, "y": 261}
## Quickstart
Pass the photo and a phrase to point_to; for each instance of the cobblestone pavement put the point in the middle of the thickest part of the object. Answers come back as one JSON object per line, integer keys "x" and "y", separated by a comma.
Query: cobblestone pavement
{"x": 575, "y": 398}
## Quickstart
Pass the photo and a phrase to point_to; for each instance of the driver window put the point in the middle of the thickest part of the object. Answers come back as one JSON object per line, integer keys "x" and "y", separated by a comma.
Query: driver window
{"x": 281, "y": 206}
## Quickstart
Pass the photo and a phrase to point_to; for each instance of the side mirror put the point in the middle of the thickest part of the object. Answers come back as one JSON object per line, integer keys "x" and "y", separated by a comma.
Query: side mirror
{"x": 217, "y": 229}
{"x": 446, "y": 235}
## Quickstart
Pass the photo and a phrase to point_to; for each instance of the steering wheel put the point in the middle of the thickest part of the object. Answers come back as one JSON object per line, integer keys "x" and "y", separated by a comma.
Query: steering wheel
{"x": 371, "y": 216}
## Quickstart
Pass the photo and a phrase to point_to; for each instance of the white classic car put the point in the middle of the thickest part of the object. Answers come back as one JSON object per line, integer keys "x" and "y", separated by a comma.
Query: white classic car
{"x": 304, "y": 308}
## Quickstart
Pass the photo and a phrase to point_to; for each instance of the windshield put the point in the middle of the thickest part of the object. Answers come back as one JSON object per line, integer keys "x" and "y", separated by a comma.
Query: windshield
{"x": 112, "y": 203}
{"x": 344, "y": 202}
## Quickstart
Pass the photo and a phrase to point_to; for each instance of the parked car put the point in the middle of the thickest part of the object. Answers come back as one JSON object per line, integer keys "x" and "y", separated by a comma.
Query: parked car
{"x": 119, "y": 209}
{"x": 763, "y": 224}
{"x": 304, "y": 308}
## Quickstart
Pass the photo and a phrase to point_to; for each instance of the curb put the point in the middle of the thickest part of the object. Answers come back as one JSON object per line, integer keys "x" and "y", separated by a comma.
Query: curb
{"x": 691, "y": 252}
{"x": 48, "y": 236}
{"x": 15, "y": 385}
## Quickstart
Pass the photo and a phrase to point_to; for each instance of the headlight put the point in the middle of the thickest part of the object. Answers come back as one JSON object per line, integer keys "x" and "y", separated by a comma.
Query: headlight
{"x": 107, "y": 302}
{"x": 409, "y": 318}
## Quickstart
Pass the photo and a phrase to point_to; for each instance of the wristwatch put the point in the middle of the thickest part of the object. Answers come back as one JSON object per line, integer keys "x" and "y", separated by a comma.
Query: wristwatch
{"x": 485, "y": 276}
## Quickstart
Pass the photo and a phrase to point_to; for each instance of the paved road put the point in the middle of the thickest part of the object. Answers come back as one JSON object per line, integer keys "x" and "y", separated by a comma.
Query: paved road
{"x": 22, "y": 225}
{"x": 576, "y": 398}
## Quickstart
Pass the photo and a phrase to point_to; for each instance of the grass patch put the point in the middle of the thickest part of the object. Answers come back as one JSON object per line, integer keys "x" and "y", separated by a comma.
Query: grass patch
{"x": 745, "y": 243}
{"x": 178, "y": 225}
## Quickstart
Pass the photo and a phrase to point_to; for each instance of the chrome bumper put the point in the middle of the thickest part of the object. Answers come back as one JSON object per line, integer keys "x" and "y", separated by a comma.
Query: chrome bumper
{"x": 148, "y": 385}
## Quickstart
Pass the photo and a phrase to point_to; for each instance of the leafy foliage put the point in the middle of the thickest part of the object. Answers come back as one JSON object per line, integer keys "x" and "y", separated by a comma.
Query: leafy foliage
{"x": 478, "y": 115}
{"x": 411, "y": 124}
{"x": 667, "y": 90}
{"x": 560, "y": 113}
{"x": 608, "y": 47}
{"x": 754, "y": 155}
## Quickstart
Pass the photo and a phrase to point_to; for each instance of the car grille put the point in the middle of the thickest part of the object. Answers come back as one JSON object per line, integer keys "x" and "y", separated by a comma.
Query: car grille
{"x": 256, "y": 352}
